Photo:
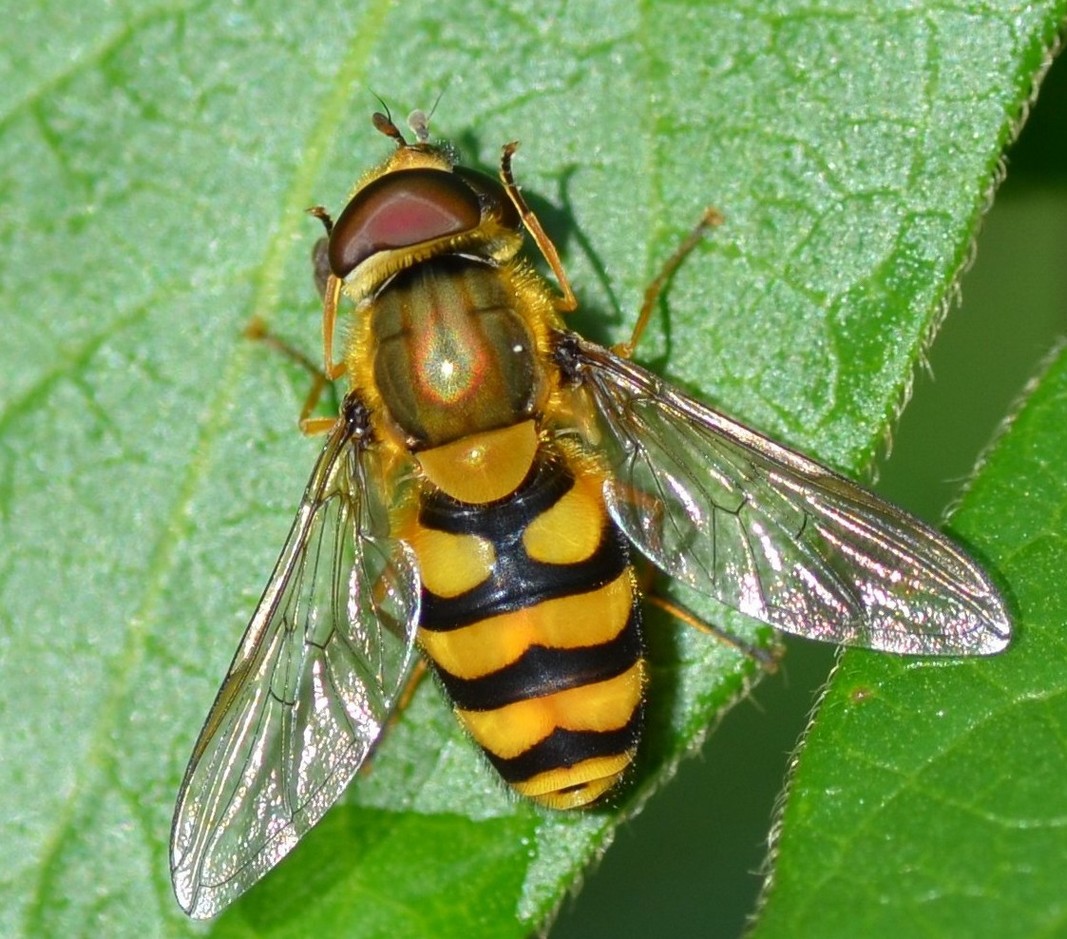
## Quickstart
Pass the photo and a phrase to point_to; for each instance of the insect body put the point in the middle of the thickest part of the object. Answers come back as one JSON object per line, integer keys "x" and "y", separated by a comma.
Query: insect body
{"x": 478, "y": 497}
{"x": 528, "y": 606}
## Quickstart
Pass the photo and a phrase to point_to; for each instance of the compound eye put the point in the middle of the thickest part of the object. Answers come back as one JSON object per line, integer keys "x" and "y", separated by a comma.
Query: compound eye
{"x": 492, "y": 195}
{"x": 399, "y": 210}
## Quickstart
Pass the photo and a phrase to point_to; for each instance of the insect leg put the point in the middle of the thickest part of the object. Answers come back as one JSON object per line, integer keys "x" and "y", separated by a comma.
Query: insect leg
{"x": 418, "y": 673}
{"x": 568, "y": 302}
{"x": 312, "y": 426}
{"x": 411, "y": 685}
{"x": 329, "y": 288}
{"x": 709, "y": 219}
{"x": 766, "y": 658}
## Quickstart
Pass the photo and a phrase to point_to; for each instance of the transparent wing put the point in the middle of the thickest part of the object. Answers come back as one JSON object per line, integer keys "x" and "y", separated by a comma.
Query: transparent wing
{"x": 306, "y": 696}
{"x": 773, "y": 534}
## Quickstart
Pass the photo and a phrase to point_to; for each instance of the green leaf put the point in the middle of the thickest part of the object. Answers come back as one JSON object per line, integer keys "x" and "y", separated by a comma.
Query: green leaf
{"x": 928, "y": 799}
{"x": 155, "y": 165}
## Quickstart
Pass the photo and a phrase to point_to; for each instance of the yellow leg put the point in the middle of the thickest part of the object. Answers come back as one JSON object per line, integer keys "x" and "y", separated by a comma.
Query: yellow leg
{"x": 766, "y": 658}
{"x": 418, "y": 673}
{"x": 311, "y": 426}
{"x": 329, "y": 287}
{"x": 568, "y": 302}
{"x": 654, "y": 291}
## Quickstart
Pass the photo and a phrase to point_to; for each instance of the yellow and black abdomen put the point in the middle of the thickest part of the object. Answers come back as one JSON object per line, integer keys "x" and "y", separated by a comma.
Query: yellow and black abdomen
{"x": 530, "y": 616}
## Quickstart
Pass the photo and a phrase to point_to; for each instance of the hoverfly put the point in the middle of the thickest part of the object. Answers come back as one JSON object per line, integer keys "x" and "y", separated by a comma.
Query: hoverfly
{"x": 479, "y": 497}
